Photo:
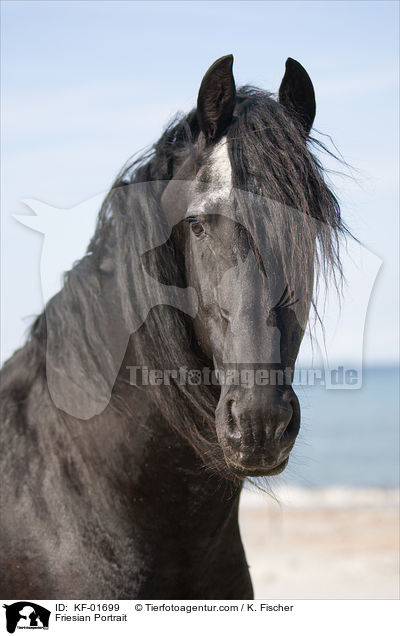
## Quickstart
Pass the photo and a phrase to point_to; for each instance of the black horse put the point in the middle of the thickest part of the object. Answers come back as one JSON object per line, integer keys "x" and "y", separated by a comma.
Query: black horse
{"x": 159, "y": 378}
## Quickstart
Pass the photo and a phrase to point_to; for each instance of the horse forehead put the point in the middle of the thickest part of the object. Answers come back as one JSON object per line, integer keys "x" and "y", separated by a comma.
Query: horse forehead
{"x": 214, "y": 180}
{"x": 219, "y": 165}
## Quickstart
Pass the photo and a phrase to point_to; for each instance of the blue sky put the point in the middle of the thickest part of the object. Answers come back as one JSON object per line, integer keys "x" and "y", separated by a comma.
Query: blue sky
{"x": 87, "y": 84}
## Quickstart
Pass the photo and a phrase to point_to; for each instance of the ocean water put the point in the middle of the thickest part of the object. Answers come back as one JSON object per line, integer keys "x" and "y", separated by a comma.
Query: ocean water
{"x": 348, "y": 437}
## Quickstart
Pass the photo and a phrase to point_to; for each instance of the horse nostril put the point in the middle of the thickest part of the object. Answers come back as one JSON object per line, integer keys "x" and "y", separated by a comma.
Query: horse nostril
{"x": 291, "y": 430}
{"x": 229, "y": 416}
{"x": 233, "y": 430}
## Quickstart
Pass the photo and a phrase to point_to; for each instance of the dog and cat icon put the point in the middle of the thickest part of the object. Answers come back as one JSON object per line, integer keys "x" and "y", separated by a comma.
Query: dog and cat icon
{"x": 26, "y": 615}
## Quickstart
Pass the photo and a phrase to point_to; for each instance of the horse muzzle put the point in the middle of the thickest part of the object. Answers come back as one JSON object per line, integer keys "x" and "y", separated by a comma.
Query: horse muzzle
{"x": 257, "y": 429}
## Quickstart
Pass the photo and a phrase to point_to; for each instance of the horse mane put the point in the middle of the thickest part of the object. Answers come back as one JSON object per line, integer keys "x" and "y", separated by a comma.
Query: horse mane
{"x": 268, "y": 156}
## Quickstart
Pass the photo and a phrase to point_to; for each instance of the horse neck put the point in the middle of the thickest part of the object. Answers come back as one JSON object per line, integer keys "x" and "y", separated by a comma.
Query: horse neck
{"x": 148, "y": 474}
{"x": 165, "y": 466}
{"x": 129, "y": 449}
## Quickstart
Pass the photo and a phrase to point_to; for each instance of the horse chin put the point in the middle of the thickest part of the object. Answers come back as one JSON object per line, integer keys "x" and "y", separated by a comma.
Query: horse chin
{"x": 241, "y": 470}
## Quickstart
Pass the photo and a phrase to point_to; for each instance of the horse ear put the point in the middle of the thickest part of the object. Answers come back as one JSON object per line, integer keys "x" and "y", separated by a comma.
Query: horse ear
{"x": 297, "y": 94}
{"x": 216, "y": 99}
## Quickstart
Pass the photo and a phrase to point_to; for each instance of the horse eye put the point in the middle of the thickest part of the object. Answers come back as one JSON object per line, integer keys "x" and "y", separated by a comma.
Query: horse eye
{"x": 196, "y": 228}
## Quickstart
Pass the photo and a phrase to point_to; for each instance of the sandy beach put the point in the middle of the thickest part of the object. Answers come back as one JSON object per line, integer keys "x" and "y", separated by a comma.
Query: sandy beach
{"x": 331, "y": 543}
